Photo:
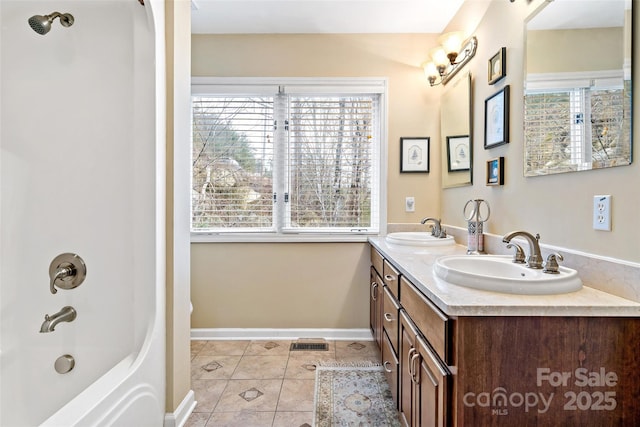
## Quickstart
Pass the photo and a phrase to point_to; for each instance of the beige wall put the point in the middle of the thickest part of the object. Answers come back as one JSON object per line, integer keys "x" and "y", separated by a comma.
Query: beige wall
{"x": 258, "y": 285}
{"x": 557, "y": 51}
{"x": 559, "y": 207}
{"x": 289, "y": 285}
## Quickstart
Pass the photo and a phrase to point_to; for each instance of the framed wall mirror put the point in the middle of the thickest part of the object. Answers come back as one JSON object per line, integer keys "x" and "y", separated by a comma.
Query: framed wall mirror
{"x": 456, "y": 133}
{"x": 577, "y": 97}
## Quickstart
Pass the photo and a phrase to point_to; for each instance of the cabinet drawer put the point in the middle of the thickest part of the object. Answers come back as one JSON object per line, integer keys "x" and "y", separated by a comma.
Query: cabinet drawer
{"x": 391, "y": 278}
{"x": 376, "y": 260}
{"x": 434, "y": 325}
{"x": 391, "y": 365}
{"x": 390, "y": 318}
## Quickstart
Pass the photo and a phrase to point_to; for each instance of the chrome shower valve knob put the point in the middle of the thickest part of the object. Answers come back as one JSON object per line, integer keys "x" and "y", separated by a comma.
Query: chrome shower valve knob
{"x": 67, "y": 271}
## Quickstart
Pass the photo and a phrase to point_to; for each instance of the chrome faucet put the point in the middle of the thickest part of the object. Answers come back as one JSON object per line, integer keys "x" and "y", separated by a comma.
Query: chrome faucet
{"x": 436, "y": 229}
{"x": 535, "y": 256}
{"x": 67, "y": 314}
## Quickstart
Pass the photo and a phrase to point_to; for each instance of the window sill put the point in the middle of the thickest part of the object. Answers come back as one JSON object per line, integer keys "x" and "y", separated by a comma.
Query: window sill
{"x": 281, "y": 238}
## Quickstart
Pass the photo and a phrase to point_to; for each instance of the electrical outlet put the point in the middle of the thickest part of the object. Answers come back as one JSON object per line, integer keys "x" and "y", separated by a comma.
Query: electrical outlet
{"x": 409, "y": 204}
{"x": 602, "y": 213}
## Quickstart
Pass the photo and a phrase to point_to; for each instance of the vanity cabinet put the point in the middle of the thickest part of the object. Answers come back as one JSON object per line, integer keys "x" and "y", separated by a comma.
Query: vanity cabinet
{"x": 475, "y": 370}
{"x": 418, "y": 379}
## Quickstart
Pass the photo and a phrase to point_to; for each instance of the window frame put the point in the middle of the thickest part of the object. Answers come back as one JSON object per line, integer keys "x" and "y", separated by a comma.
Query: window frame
{"x": 244, "y": 85}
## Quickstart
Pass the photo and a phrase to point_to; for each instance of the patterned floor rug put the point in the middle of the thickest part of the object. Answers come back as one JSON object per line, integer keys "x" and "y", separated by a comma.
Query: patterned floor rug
{"x": 353, "y": 396}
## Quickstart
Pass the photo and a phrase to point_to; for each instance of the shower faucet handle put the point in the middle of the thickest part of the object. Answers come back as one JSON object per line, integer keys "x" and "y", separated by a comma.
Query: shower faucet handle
{"x": 67, "y": 271}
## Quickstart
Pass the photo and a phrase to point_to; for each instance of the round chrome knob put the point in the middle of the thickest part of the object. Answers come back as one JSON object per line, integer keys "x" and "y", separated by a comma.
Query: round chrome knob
{"x": 64, "y": 364}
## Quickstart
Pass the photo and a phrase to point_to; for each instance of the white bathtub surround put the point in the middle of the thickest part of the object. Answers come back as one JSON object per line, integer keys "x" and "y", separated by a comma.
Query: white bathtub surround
{"x": 81, "y": 114}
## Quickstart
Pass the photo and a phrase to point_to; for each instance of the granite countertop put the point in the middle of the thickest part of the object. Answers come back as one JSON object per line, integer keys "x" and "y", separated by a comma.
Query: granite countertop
{"x": 416, "y": 264}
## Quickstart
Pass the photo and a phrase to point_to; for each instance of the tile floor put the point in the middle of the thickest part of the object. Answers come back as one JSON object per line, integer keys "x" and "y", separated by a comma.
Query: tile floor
{"x": 261, "y": 383}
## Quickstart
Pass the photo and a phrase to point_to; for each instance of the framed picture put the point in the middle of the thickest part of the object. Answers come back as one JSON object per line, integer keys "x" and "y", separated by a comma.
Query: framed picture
{"x": 498, "y": 66}
{"x": 495, "y": 171}
{"x": 458, "y": 153}
{"x": 414, "y": 154}
{"x": 496, "y": 119}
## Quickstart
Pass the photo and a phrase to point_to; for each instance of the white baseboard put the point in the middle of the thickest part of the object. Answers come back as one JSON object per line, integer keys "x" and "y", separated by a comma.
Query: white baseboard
{"x": 279, "y": 334}
{"x": 181, "y": 415}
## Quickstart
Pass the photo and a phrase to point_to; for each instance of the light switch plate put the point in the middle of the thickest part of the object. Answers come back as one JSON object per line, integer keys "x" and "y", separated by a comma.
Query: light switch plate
{"x": 602, "y": 213}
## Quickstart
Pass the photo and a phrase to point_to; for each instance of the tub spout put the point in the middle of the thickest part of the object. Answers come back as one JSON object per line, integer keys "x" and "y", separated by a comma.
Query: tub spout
{"x": 67, "y": 314}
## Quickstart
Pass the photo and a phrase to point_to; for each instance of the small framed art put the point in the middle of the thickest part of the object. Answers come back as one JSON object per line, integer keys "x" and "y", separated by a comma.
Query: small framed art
{"x": 414, "y": 154}
{"x": 497, "y": 66}
{"x": 495, "y": 171}
{"x": 458, "y": 153}
{"x": 496, "y": 119}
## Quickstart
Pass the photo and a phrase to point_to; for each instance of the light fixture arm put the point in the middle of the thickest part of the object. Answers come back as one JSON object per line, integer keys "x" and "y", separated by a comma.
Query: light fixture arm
{"x": 440, "y": 72}
{"x": 467, "y": 52}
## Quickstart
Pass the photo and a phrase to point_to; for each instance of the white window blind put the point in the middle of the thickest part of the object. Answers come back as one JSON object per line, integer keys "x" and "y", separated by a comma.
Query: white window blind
{"x": 330, "y": 155}
{"x": 300, "y": 160}
{"x": 572, "y": 127}
{"x": 232, "y": 162}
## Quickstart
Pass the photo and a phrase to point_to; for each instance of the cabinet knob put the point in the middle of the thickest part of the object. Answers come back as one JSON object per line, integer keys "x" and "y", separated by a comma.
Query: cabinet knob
{"x": 389, "y": 370}
{"x": 389, "y": 277}
{"x": 389, "y": 317}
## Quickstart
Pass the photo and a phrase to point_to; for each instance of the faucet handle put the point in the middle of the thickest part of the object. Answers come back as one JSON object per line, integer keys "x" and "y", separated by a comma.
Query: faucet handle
{"x": 518, "y": 257}
{"x": 551, "y": 266}
{"x": 67, "y": 271}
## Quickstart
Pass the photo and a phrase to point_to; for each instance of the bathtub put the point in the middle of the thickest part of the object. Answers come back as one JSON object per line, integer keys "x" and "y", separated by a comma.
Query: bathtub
{"x": 82, "y": 171}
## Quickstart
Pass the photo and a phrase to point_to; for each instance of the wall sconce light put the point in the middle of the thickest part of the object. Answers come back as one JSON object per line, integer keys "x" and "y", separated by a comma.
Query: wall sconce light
{"x": 449, "y": 58}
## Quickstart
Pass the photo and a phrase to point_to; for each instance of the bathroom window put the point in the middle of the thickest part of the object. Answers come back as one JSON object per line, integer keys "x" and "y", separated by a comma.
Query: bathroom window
{"x": 293, "y": 160}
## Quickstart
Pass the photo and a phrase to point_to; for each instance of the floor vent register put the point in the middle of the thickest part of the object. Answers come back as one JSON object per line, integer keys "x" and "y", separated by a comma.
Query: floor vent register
{"x": 309, "y": 346}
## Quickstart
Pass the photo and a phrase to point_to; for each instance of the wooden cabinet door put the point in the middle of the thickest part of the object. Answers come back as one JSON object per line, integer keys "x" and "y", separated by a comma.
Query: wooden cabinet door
{"x": 431, "y": 382}
{"x": 376, "y": 307}
{"x": 390, "y": 364}
{"x": 408, "y": 353}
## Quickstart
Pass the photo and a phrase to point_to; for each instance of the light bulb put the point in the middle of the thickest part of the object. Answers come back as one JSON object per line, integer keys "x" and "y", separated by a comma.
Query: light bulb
{"x": 439, "y": 57}
{"x": 430, "y": 70}
{"x": 452, "y": 42}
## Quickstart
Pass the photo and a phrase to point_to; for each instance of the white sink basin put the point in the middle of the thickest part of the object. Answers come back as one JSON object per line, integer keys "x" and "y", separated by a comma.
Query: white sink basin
{"x": 418, "y": 238}
{"x": 499, "y": 274}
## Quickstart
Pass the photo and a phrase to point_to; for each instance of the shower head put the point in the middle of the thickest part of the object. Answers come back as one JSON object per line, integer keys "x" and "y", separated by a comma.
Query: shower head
{"x": 41, "y": 24}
